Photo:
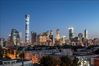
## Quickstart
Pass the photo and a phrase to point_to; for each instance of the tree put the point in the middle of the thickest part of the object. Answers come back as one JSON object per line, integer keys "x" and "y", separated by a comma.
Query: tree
{"x": 50, "y": 61}
{"x": 66, "y": 61}
{"x": 75, "y": 62}
{"x": 59, "y": 61}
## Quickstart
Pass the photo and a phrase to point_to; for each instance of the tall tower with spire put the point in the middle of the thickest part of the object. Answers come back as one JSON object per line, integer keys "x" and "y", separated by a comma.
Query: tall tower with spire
{"x": 27, "y": 21}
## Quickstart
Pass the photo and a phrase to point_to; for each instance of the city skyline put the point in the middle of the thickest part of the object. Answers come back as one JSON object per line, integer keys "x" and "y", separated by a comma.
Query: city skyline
{"x": 49, "y": 15}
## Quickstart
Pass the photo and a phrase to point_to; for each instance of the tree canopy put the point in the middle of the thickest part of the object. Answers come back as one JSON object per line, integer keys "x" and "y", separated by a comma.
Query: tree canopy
{"x": 59, "y": 61}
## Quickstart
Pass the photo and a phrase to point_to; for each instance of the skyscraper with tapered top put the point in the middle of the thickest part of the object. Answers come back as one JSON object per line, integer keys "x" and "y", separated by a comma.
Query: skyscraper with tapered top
{"x": 27, "y": 31}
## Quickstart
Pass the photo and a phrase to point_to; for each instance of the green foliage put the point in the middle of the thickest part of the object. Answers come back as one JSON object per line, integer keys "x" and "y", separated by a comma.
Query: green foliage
{"x": 66, "y": 61}
{"x": 75, "y": 62}
{"x": 59, "y": 61}
{"x": 50, "y": 61}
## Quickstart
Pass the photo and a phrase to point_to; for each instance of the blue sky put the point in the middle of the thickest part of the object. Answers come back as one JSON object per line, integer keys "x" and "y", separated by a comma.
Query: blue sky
{"x": 50, "y": 14}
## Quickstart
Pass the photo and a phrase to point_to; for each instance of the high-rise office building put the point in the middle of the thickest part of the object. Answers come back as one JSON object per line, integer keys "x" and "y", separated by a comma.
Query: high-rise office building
{"x": 57, "y": 39}
{"x": 27, "y": 21}
{"x": 63, "y": 40}
{"x": 50, "y": 41}
{"x": 57, "y": 34}
{"x": 15, "y": 37}
{"x": 42, "y": 38}
{"x": 85, "y": 34}
{"x": 33, "y": 37}
{"x": 51, "y": 35}
{"x": 71, "y": 33}
{"x": 2, "y": 42}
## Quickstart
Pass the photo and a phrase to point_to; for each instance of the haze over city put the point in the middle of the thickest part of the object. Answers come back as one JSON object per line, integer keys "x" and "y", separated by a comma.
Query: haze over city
{"x": 50, "y": 14}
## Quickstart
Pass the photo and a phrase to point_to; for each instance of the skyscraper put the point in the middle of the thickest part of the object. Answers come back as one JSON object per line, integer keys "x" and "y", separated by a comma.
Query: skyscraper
{"x": 57, "y": 39}
{"x": 15, "y": 37}
{"x": 50, "y": 41}
{"x": 27, "y": 20}
{"x": 33, "y": 37}
{"x": 71, "y": 33}
{"x": 51, "y": 35}
{"x": 63, "y": 38}
{"x": 57, "y": 34}
{"x": 2, "y": 42}
{"x": 85, "y": 34}
{"x": 43, "y": 37}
